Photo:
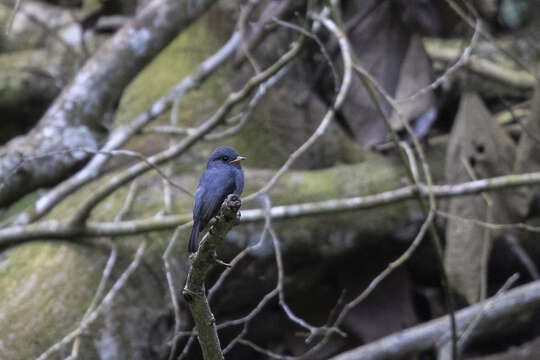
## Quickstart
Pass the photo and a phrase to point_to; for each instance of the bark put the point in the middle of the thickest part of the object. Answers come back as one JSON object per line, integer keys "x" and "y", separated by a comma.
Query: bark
{"x": 77, "y": 117}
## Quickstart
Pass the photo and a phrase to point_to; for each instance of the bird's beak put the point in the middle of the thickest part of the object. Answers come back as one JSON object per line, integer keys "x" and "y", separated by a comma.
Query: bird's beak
{"x": 238, "y": 159}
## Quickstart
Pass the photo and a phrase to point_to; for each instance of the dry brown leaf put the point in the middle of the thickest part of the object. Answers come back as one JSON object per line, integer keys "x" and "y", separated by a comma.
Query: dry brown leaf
{"x": 479, "y": 143}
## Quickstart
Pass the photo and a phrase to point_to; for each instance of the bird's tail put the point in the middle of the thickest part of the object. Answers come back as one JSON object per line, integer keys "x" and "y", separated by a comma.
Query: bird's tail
{"x": 193, "y": 243}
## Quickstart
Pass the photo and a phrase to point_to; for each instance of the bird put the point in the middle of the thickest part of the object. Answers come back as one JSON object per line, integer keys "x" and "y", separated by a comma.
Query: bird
{"x": 223, "y": 176}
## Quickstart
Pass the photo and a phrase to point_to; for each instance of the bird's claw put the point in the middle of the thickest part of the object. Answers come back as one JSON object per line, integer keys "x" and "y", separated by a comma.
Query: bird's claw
{"x": 188, "y": 295}
{"x": 234, "y": 202}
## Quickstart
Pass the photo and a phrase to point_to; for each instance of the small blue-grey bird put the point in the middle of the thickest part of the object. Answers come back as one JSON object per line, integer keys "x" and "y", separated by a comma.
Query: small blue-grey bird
{"x": 223, "y": 176}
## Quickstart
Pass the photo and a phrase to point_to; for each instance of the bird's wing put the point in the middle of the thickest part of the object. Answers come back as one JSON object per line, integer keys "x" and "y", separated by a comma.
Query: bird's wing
{"x": 217, "y": 185}
{"x": 199, "y": 195}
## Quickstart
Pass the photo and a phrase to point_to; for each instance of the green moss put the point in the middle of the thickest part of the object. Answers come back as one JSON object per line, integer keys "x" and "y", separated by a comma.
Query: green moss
{"x": 178, "y": 60}
{"x": 20, "y": 205}
{"x": 38, "y": 282}
{"x": 375, "y": 174}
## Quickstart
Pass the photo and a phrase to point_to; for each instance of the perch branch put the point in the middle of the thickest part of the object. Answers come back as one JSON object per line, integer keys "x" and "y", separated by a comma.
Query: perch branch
{"x": 194, "y": 291}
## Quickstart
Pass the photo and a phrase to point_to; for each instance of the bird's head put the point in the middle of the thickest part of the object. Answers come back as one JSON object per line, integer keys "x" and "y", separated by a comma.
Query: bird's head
{"x": 224, "y": 155}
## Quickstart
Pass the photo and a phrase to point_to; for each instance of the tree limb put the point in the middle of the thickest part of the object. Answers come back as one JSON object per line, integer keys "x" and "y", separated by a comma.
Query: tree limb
{"x": 76, "y": 117}
{"x": 194, "y": 291}
{"x": 53, "y": 229}
{"x": 521, "y": 300}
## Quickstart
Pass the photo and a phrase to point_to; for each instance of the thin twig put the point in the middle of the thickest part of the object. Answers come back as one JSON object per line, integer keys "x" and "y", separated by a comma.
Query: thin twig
{"x": 470, "y": 22}
{"x": 167, "y": 193}
{"x": 97, "y": 297}
{"x": 490, "y": 225}
{"x": 521, "y": 254}
{"x": 244, "y": 116}
{"x": 122, "y": 134}
{"x": 237, "y": 338}
{"x": 347, "y": 62}
{"x": 128, "y": 203}
{"x": 370, "y": 85}
{"x": 373, "y": 284}
{"x": 463, "y": 59}
{"x": 466, "y": 336}
{"x": 256, "y": 310}
{"x": 266, "y": 352}
{"x": 105, "y": 304}
{"x": 171, "y": 287}
{"x": 12, "y": 14}
{"x": 315, "y": 38}
{"x": 313, "y": 330}
{"x": 82, "y": 213}
{"x": 242, "y": 22}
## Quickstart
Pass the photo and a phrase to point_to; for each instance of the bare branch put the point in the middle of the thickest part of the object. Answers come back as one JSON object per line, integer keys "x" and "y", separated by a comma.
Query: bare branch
{"x": 466, "y": 336}
{"x": 374, "y": 283}
{"x": 216, "y": 119}
{"x": 463, "y": 59}
{"x": 105, "y": 304}
{"x": 52, "y": 229}
{"x": 9, "y": 23}
{"x": 97, "y": 297}
{"x": 315, "y": 38}
{"x": 75, "y": 118}
{"x": 346, "y": 54}
{"x": 521, "y": 300}
{"x": 470, "y": 22}
{"x": 122, "y": 134}
{"x": 194, "y": 291}
{"x": 270, "y": 354}
{"x": 172, "y": 289}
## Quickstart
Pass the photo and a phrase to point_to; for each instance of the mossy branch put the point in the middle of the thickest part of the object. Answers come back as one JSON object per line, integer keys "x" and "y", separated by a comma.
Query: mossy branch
{"x": 194, "y": 291}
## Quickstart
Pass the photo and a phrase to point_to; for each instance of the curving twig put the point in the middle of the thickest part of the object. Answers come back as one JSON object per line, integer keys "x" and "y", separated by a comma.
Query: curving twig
{"x": 121, "y": 134}
{"x": 347, "y": 60}
{"x": 216, "y": 119}
{"x": 103, "y": 306}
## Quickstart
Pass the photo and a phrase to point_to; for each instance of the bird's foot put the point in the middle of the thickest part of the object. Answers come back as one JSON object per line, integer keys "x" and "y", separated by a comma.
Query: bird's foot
{"x": 234, "y": 202}
{"x": 188, "y": 295}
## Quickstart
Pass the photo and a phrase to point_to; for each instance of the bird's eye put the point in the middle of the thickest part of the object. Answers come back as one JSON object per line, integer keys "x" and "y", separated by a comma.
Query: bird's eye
{"x": 225, "y": 158}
